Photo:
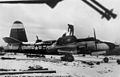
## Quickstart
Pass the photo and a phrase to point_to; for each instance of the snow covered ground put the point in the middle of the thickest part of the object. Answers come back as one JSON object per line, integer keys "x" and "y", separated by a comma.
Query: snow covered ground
{"x": 64, "y": 69}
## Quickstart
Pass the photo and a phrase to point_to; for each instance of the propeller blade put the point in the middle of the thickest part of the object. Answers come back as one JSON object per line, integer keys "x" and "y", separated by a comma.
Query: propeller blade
{"x": 95, "y": 39}
{"x": 94, "y": 33}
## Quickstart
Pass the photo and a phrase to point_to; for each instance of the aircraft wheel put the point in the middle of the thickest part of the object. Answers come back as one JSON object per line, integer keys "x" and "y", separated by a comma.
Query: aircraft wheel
{"x": 83, "y": 55}
{"x": 118, "y": 61}
{"x": 106, "y": 60}
{"x": 70, "y": 58}
{"x": 67, "y": 57}
{"x": 98, "y": 63}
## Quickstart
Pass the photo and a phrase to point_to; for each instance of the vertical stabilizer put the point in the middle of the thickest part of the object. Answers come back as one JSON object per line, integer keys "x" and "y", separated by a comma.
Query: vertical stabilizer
{"x": 18, "y": 31}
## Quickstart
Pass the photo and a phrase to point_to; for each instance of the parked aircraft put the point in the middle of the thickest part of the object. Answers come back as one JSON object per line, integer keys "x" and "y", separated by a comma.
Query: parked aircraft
{"x": 51, "y": 3}
{"x": 70, "y": 44}
{"x": 90, "y": 45}
{"x": 105, "y": 13}
{"x": 65, "y": 45}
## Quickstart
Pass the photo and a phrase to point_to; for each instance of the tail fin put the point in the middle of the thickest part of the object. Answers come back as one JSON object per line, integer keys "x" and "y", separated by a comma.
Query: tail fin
{"x": 18, "y": 31}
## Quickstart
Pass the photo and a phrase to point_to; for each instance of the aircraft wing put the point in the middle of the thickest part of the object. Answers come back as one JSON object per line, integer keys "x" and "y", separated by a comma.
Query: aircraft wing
{"x": 66, "y": 46}
{"x": 11, "y": 40}
{"x": 50, "y": 3}
{"x": 46, "y": 43}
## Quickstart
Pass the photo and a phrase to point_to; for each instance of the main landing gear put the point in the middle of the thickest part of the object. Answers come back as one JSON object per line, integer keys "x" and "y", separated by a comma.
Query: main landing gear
{"x": 67, "y": 57}
{"x": 106, "y": 59}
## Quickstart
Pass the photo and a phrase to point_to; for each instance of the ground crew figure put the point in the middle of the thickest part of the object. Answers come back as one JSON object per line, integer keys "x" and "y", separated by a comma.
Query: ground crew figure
{"x": 71, "y": 29}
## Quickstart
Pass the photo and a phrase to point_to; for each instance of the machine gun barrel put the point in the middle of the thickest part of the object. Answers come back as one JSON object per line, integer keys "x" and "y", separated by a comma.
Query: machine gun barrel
{"x": 98, "y": 10}
{"x": 104, "y": 8}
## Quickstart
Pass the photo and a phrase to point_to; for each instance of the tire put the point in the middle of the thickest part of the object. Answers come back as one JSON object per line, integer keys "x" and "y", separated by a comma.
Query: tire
{"x": 106, "y": 60}
{"x": 118, "y": 61}
{"x": 68, "y": 58}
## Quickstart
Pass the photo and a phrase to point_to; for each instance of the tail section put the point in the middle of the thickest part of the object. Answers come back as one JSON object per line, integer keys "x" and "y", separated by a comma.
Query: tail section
{"x": 18, "y": 31}
{"x": 17, "y": 34}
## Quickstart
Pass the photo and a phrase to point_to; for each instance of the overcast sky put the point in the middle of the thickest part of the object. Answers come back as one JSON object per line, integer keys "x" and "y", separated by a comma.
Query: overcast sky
{"x": 50, "y": 24}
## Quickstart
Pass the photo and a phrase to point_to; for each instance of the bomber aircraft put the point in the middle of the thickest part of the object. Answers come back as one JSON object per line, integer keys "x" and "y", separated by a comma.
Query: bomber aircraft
{"x": 70, "y": 44}
{"x": 65, "y": 45}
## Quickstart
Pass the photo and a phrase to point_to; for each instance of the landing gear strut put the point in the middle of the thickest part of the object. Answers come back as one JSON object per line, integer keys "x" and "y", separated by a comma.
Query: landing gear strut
{"x": 67, "y": 57}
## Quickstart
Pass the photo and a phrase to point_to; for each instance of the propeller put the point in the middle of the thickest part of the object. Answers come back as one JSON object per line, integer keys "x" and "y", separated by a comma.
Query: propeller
{"x": 95, "y": 39}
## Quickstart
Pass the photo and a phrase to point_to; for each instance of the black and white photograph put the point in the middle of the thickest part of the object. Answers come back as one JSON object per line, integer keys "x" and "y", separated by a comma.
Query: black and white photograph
{"x": 59, "y": 38}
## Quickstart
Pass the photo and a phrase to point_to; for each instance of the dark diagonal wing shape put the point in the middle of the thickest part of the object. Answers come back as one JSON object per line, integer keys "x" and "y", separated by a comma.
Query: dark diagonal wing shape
{"x": 51, "y": 3}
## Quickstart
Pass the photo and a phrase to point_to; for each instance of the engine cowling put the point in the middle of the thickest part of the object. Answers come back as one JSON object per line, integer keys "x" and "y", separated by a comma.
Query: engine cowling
{"x": 66, "y": 40}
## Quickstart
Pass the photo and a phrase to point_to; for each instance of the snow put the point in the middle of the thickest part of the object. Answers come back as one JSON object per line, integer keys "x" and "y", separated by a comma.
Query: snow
{"x": 73, "y": 69}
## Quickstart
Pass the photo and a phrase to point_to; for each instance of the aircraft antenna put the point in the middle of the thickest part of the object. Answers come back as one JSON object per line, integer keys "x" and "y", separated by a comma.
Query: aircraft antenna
{"x": 38, "y": 40}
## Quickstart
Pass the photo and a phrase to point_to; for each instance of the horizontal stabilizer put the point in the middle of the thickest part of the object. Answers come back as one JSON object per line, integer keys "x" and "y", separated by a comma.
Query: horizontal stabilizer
{"x": 11, "y": 40}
